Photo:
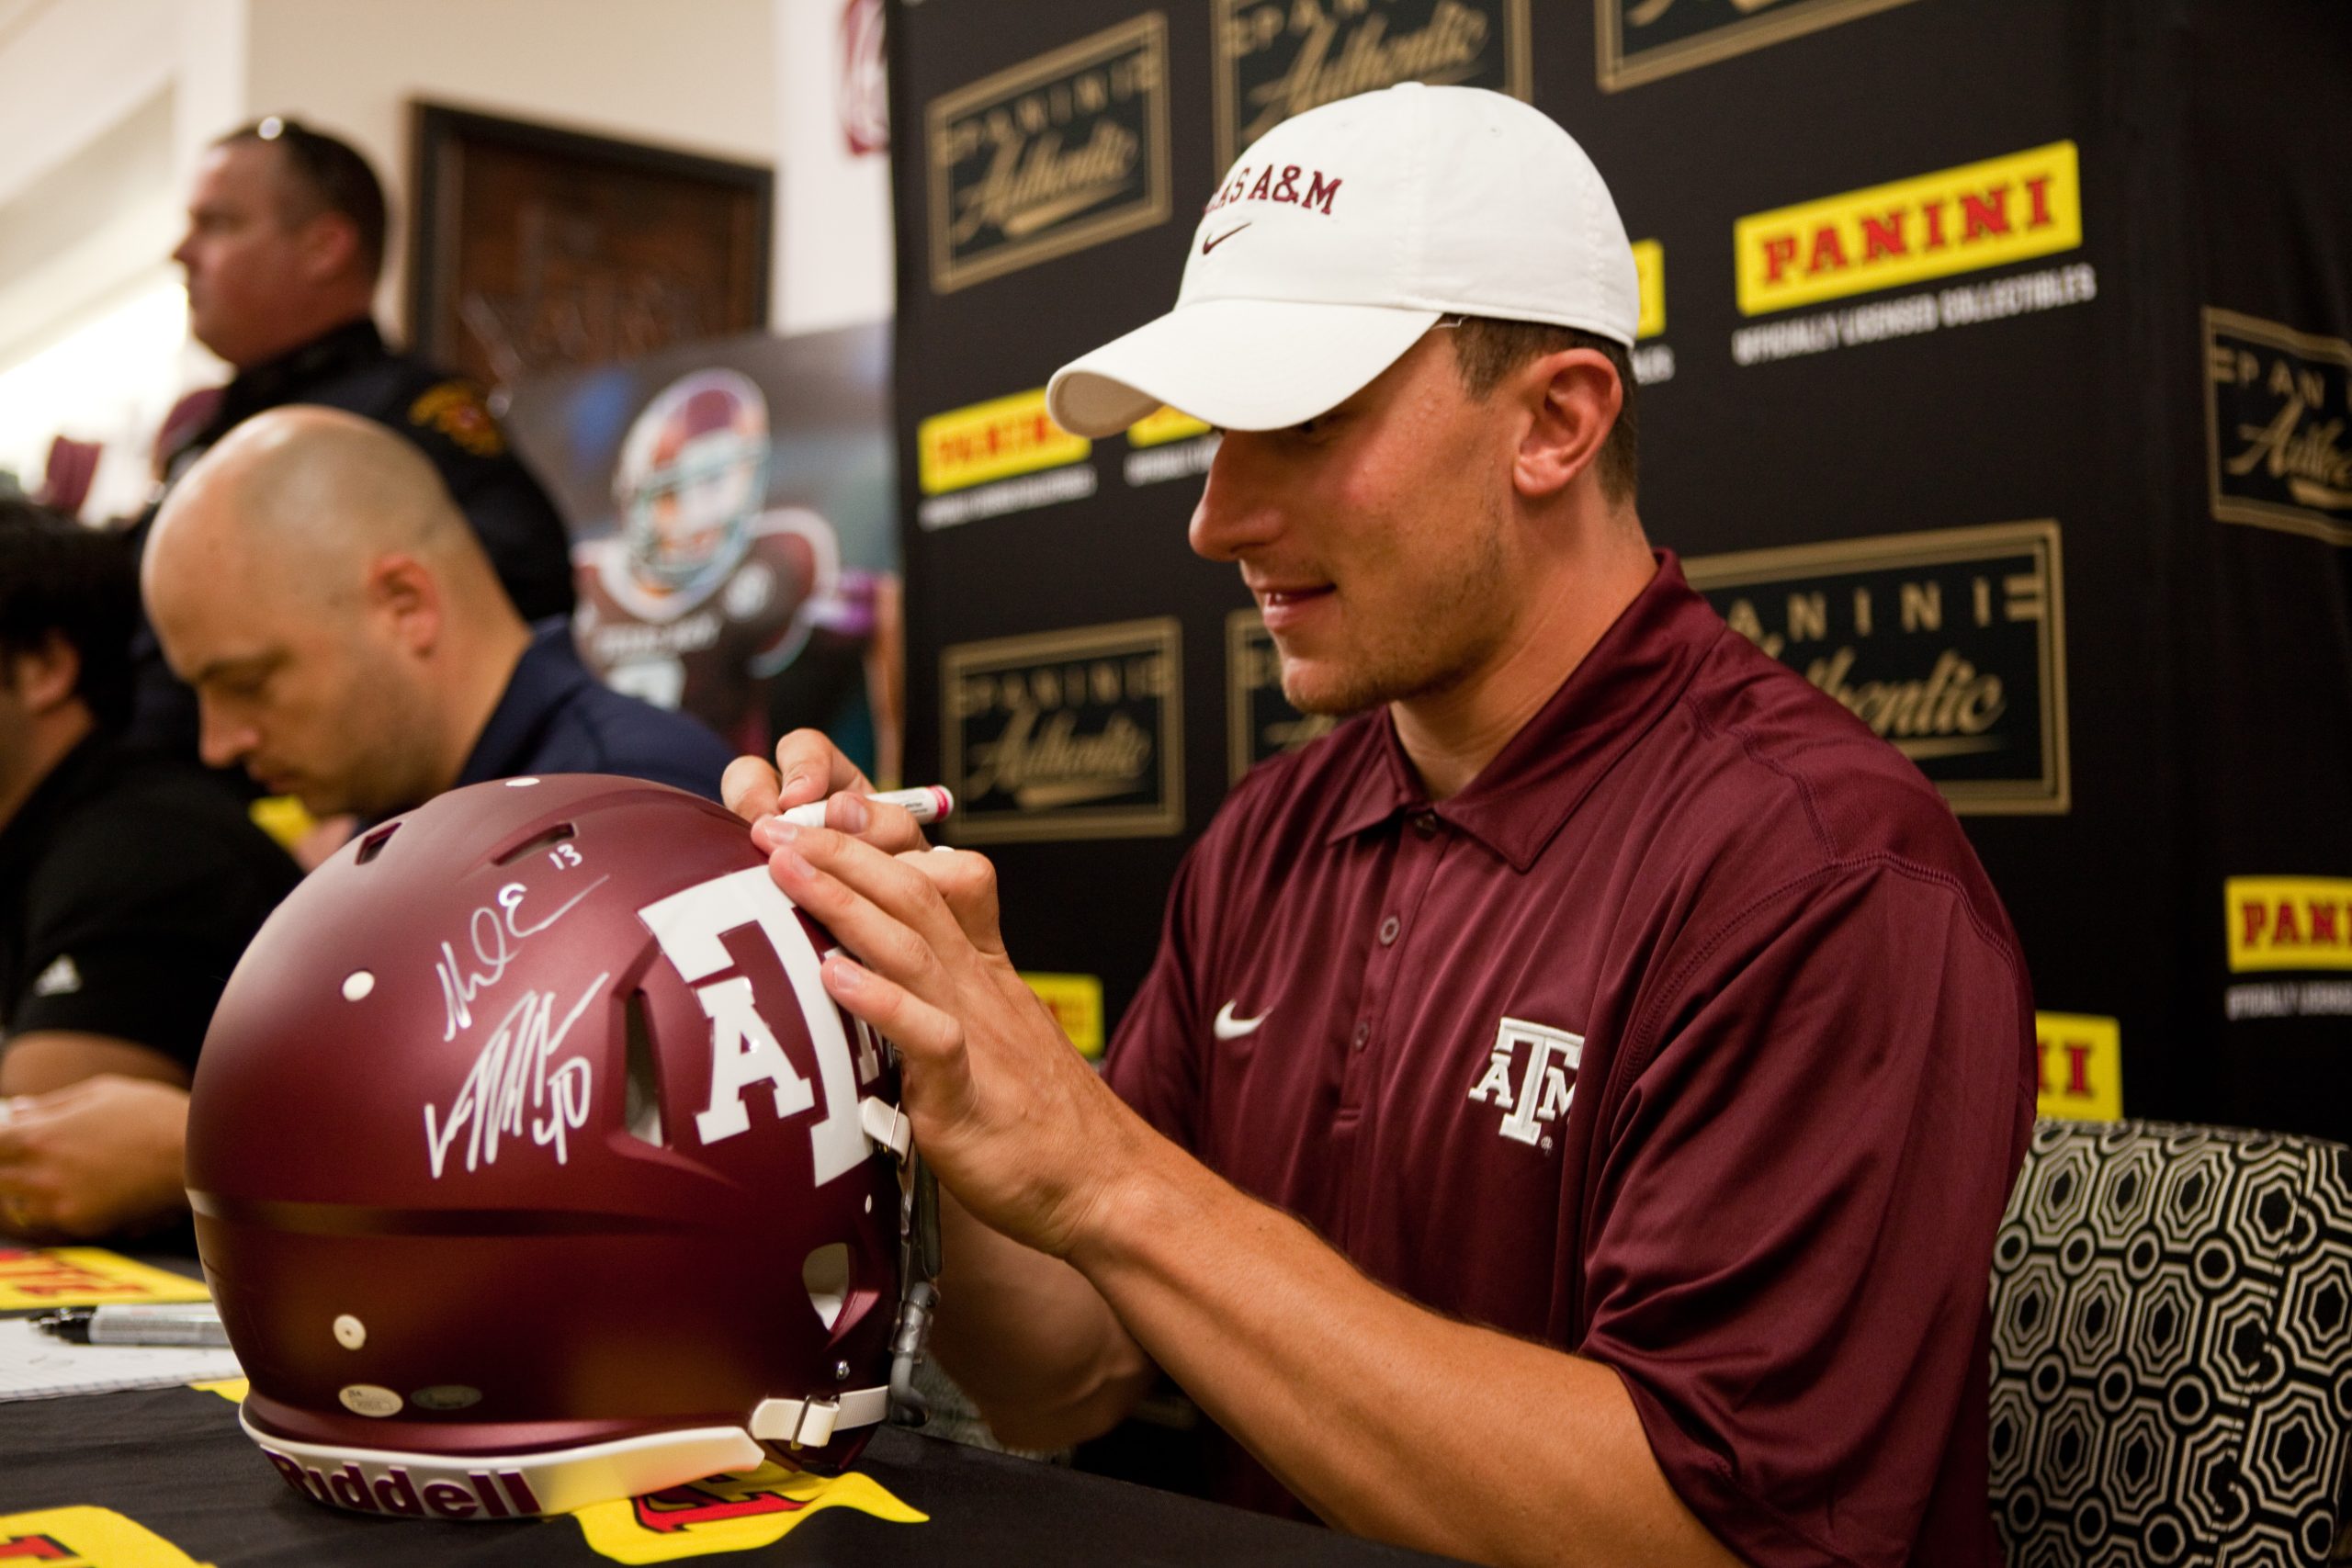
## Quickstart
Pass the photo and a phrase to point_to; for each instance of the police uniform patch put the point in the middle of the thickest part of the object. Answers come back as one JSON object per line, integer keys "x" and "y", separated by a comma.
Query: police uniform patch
{"x": 455, "y": 409}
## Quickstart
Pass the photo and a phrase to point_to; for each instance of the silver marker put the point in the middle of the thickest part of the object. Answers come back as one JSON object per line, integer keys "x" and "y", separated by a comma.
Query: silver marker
{"x": 193, "y": 1322}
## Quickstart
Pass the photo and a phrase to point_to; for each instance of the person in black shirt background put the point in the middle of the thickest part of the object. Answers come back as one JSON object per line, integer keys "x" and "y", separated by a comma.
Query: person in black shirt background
{"x": 128, "y": 887}
{"x": 285, "y": 242}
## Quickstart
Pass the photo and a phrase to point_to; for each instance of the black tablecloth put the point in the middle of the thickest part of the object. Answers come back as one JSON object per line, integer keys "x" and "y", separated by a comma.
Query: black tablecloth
{"x": 173, "y": 1461}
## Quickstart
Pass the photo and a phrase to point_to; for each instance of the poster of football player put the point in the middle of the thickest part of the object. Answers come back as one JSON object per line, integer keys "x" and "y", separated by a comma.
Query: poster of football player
{"x": 732, "y": 534}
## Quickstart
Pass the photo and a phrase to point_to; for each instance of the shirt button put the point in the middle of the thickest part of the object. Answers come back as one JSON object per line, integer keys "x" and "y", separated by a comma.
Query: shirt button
{"x": 1424, "y": 823}
{"x": 1388, "y": 929}
{"x": 1362, "y": 1034}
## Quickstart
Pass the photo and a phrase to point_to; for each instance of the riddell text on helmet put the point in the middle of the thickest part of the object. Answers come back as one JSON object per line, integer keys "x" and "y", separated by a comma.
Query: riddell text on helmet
{"x": 390, "y": 1489}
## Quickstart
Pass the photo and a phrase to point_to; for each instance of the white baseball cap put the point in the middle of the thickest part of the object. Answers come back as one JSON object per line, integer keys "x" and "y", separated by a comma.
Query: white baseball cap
{"x": 1346, "y": 233}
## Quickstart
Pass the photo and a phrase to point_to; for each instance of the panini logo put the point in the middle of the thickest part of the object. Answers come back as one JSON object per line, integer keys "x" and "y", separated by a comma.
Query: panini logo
{"x": 1258, "y": 720}
{"x": 1164, "y": 425}
{"x": 2082, "y": 1066}
{"x": 1641, "y": 40}
{"x": 1964, "y": 220}
{"x": 2288, "y": 922}
{"x": 994, "y": 440}
{"x": 1950, "y": 644}
{"x": 1650, "y": 266}
{"x": 2276, "y": 406}
{"x": 1071, "y": 734}
{"x": 1278, "y": 58}
{"x": 1076, "y": 1002}
{"x": 1055, "y": 155}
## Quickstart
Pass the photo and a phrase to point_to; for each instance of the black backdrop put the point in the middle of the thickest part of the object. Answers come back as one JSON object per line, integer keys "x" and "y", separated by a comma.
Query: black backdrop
{"x": 2052, "y": 484}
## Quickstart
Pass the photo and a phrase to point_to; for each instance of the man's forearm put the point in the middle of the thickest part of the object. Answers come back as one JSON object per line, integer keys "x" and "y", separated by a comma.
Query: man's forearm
{"x": 43, "y": 1060}
{"x": 1033, "y": 1344}
{"x": 1389, "y": 1420}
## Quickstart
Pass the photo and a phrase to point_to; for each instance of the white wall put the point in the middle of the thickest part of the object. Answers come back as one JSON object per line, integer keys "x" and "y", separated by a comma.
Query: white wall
{"x": 834, "y": 206}
{"x": 693, "y": 75}
{"x": 106, "y": 105}
{"x": 93, "y": 98}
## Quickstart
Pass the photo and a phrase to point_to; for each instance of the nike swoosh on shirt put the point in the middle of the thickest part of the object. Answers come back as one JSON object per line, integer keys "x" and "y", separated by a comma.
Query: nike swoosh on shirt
{"x": 1208, "y": 244}
{"x": 1228, "y": 1027}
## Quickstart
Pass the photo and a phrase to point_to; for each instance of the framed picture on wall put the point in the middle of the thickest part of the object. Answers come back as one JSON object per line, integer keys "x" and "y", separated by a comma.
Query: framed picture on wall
{"x": 536, "y": 249}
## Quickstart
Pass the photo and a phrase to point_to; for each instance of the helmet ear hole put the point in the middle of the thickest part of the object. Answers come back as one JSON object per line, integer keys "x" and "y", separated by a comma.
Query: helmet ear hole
{"x": 373, "y": 844}
{"x": 825, "y": 1273}
{"x": 641, "y": 1102}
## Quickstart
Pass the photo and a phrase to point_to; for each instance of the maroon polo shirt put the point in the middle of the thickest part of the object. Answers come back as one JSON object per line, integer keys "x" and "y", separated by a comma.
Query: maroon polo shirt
{"x": 1689, "y": 1037}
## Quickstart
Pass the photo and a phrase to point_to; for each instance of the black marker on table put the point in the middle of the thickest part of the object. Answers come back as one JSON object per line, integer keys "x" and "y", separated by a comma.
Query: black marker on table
{"x": 193, "y": 1323}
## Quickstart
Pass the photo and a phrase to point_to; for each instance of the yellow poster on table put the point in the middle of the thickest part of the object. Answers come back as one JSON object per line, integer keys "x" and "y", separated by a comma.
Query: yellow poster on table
{"x": 86, "y": 1536}
{"x": 730, "y": 1514}
{"x": 85, "y": 1275}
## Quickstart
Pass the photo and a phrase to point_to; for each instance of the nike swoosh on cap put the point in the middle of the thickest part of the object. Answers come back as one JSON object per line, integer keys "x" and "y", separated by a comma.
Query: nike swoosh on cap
{"x": 1228, "y": 1027}
{"x": 1208, "y": 244}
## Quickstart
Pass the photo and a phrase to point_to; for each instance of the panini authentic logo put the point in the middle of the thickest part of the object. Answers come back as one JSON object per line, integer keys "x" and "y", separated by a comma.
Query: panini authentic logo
{"x": 1278, "y": 58}
{"x": 2275, "y": 407}
{"x": 1964, "y": 220}
{"x": 1258, "y": 720}
{"x": 1950, "y": 644}
{"x": 1057, "y": 153}
{"x": 1066, "y": 734}
{"x": 1641, "y": 40}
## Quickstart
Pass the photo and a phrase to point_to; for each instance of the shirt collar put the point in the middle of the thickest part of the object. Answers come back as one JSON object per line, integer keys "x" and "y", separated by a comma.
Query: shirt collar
{"x": 1532, "y": 786}
{"x": 280, "y": 380}
{"x": 545, "y": 678}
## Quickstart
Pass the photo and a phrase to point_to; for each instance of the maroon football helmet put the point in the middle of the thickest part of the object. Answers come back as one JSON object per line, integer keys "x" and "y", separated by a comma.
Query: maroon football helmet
{"x": 533, "y": 1167}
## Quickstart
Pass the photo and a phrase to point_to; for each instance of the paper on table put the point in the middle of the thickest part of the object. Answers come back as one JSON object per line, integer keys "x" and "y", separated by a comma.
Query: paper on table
{"x": 35, "y": 1365}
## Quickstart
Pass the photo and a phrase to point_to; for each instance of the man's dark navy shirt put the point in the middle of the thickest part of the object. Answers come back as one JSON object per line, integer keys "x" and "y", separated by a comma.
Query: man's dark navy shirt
{"x": 555, "y": 717}
{"x": 445, "y": 417}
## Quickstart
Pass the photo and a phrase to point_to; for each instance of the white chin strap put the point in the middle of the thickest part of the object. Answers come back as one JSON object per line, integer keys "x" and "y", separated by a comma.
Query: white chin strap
{"x": 508, "y": 1486}
{"x": 810, "y": 1423}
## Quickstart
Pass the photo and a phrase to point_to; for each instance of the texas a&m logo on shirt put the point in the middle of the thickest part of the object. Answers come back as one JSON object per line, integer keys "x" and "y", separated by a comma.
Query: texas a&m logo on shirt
{"x": 1530, "y": 1076}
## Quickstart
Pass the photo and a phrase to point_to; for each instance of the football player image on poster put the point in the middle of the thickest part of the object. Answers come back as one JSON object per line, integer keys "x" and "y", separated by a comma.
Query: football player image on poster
{"x": 730, "y": 508}
{"x": 705, "y": 594}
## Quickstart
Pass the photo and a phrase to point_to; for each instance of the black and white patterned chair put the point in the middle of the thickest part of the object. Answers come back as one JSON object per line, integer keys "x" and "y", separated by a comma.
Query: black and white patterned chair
{"x": 2171, "y": 1350}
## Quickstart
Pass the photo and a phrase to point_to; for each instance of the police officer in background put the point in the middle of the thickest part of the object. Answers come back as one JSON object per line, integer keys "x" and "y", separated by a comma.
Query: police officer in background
{"x": 285, "y": 242}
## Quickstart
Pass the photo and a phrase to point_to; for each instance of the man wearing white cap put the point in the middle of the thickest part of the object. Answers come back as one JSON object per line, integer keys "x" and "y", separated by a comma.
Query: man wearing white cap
{"x": 1570, "y": 1112}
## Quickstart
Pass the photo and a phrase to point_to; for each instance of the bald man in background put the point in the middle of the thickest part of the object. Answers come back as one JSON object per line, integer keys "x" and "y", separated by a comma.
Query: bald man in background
{"x": 350, "y": 643}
